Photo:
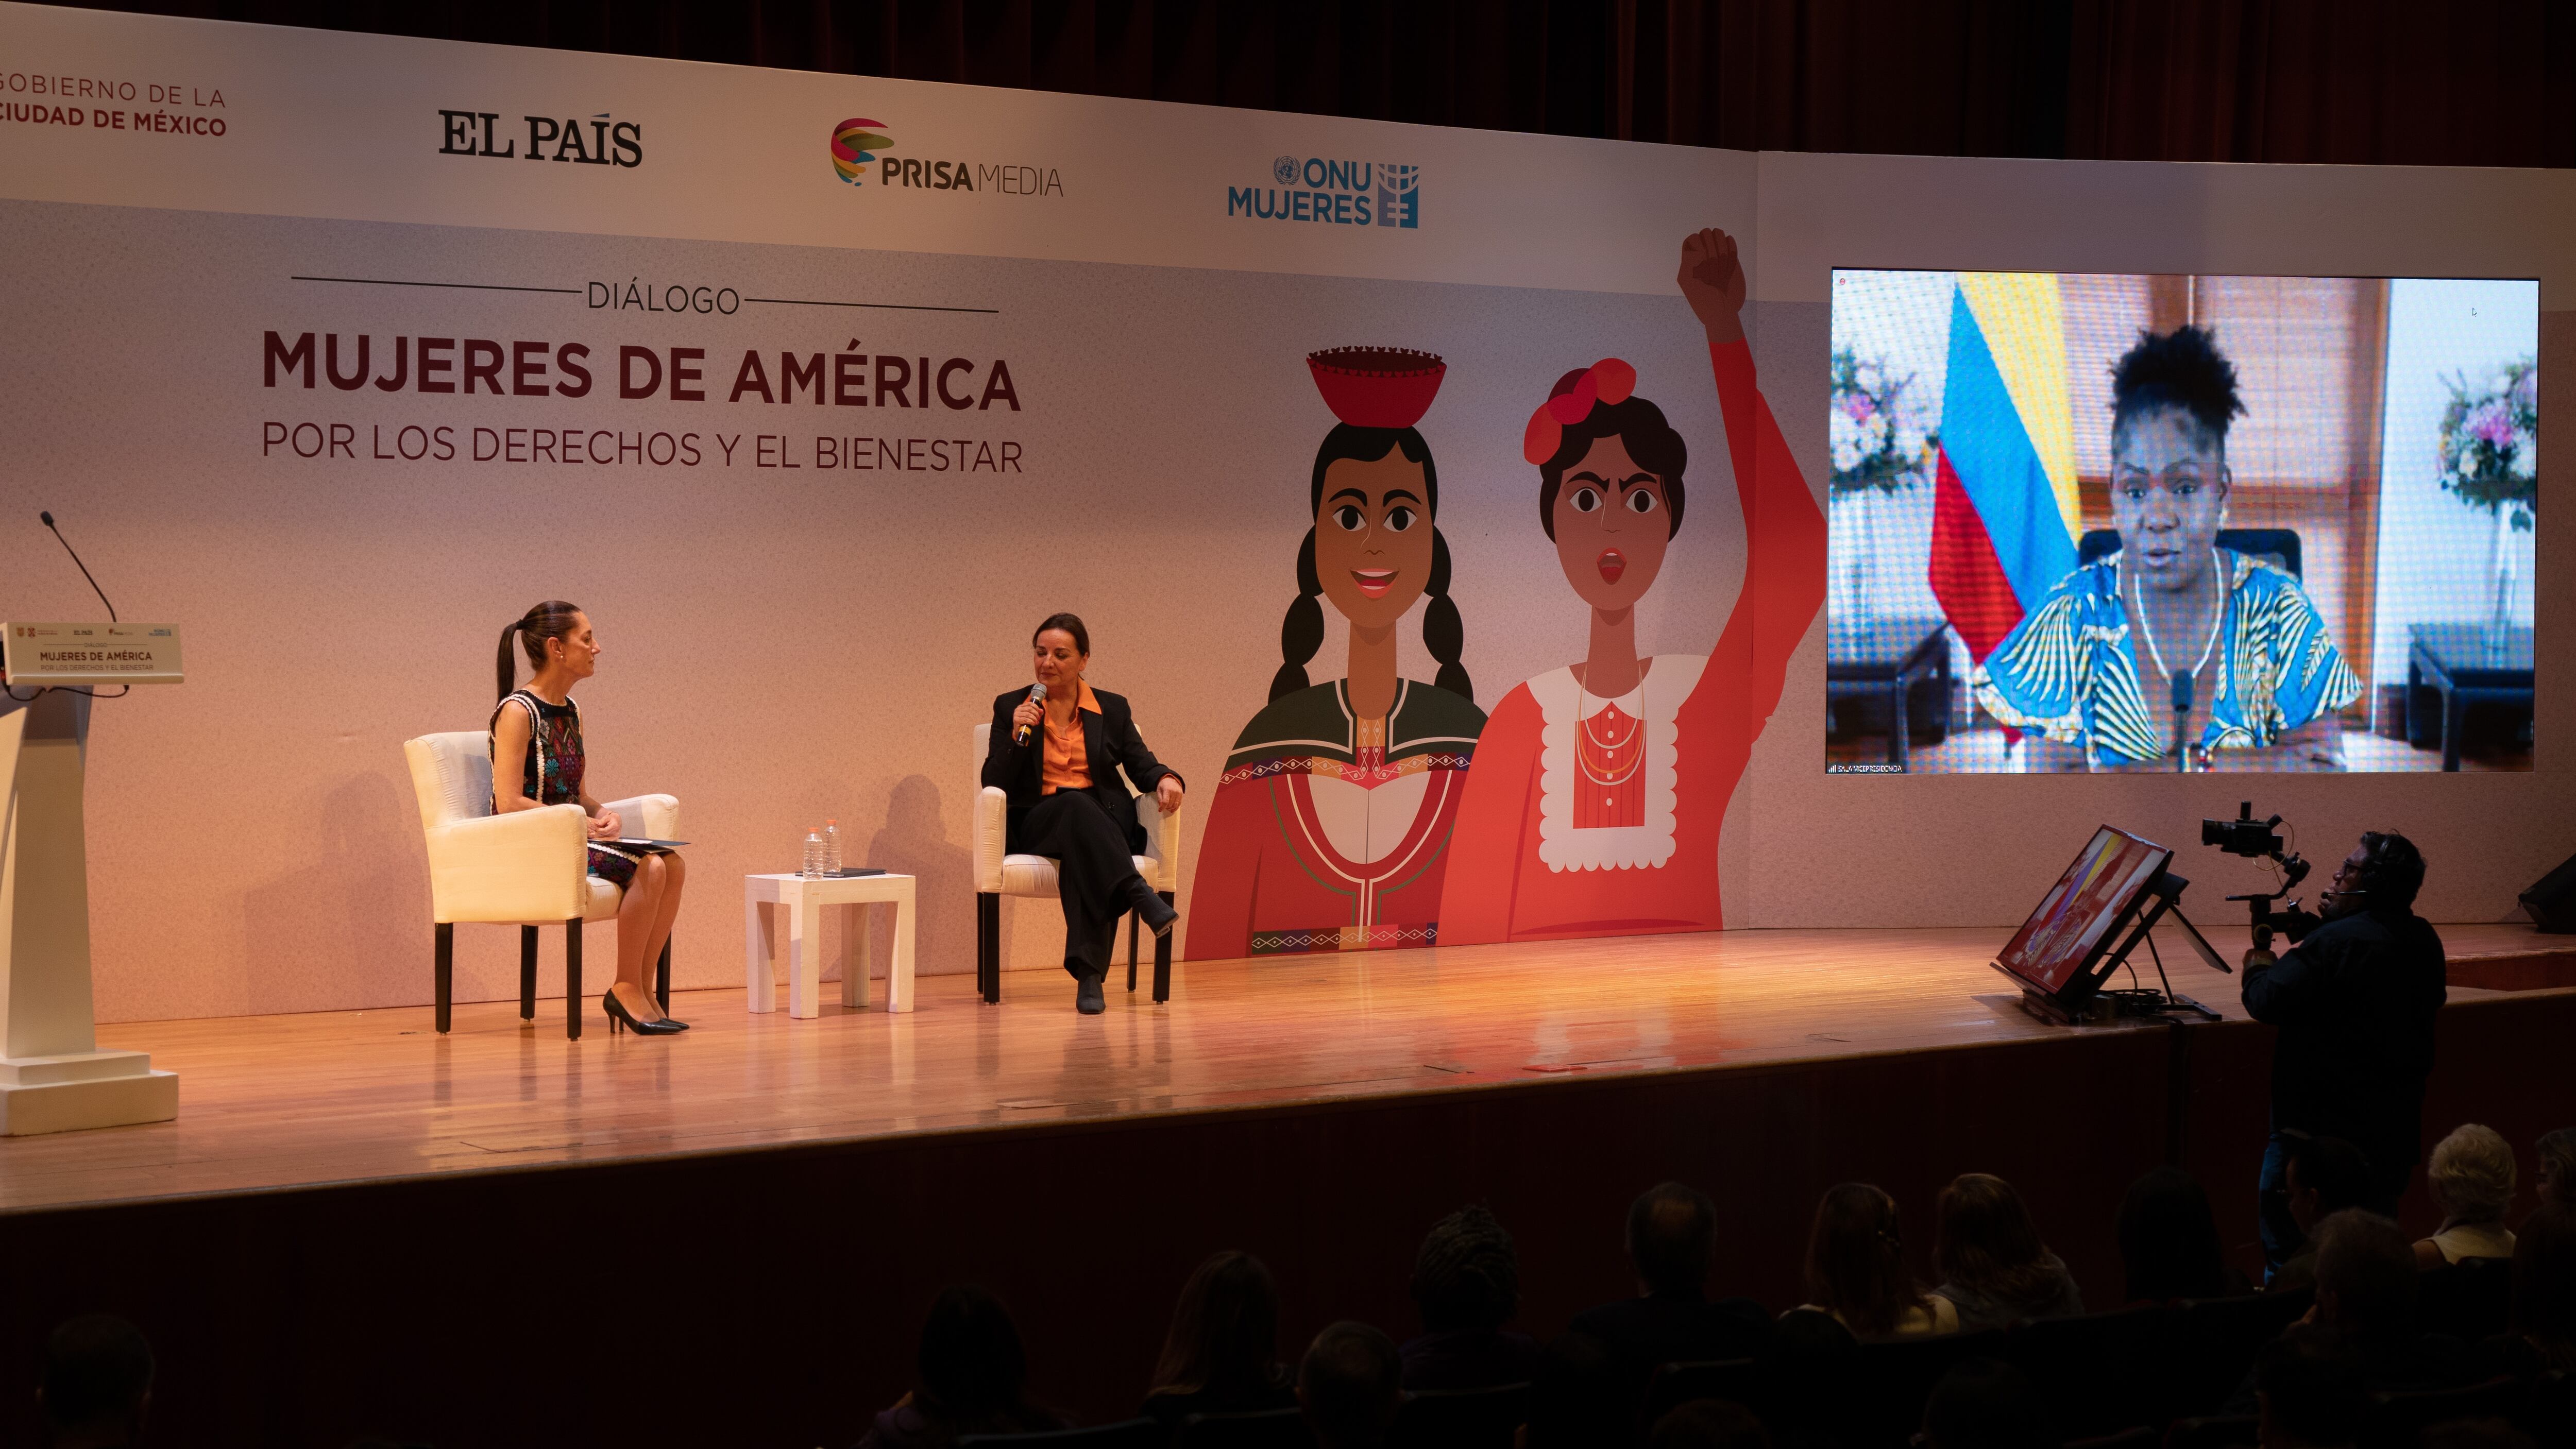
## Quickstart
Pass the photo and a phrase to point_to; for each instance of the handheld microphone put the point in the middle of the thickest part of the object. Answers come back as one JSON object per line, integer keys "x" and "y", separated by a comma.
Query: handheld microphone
{"x": 48, "y": 519}
{"x": 1037, "y": 696}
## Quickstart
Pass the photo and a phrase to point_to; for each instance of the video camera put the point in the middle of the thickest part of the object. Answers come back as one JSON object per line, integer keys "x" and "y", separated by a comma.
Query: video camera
{"x": 2261, "y": 840}
{"x": 2245, "y": 835}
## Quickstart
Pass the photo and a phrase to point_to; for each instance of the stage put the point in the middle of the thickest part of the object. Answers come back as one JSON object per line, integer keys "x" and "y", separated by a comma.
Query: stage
{"x": 274, "y": 1102}
{"x": 815, "y": 1181}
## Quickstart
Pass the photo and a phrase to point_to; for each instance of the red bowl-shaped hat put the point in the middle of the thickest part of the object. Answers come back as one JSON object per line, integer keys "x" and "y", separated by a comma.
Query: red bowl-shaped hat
{"x": 1377, "y": 387}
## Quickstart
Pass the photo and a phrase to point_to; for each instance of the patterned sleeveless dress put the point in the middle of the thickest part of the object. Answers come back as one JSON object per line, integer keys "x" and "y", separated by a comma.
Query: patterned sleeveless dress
{"x": 553, "y": 769}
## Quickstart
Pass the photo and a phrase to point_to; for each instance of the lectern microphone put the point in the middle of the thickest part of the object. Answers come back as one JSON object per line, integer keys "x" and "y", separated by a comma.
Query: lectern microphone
{"x": 48, "y": 519}
{"x": 82, "y": 656}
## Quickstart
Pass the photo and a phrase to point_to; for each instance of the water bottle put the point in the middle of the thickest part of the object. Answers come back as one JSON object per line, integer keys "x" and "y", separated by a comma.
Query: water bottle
{"x": 813, "y": 854}
{"x": 831, "y": 847}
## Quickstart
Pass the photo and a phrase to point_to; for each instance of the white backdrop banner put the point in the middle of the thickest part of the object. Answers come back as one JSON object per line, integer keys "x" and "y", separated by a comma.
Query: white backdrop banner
{"x": 818, "y": 391}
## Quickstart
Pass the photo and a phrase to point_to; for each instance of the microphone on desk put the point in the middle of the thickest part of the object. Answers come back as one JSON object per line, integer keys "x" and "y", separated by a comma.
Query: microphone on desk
{"x": 1037, "y": 696}
{"x": 48, "y": 519}
{"x": 2182, "y": 683}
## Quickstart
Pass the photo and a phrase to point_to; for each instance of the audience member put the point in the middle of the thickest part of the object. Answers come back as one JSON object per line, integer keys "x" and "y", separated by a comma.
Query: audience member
{"x": 1986, "y": 1404}
{"x": 2555, "y": 1180}
{"x": 96, "y": 1385}
{"x": 1467, "y": 1284}
{"x": 2366, "y": 1290}
{"x": 1350, "y": 1385}
{"x": 2309, "y": 1388}
{"x": 1579, "y": 1398}
{"x": 2543, "y": 1332}
{"x": 2169, "y": 1245}
{"x": 1815, "y": 1335}
{"x": 1671, "y": 1231}
{"x": 1222, "y": 1353}
{"x": 2472, "y": 1181}
{"x": 1856, "y": 1269}
{"x": 1812, "y": 1366}
{"x": 2475, "y": 1434}
{"x": 2366, "y": 1294}
{"x": 1992, "y": 1263}
{"x": 1709, "y": 1424}
{"x": 2324, "y": 1175}
{"x": 971, "y": 1378}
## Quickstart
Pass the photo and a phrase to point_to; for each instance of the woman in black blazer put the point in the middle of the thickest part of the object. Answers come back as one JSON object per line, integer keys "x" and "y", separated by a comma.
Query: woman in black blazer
{"x": 1059, "y": 762}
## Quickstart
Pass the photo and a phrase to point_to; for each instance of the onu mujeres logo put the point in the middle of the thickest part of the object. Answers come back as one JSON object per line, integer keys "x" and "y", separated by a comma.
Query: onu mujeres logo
{"x": 1346, "y": 193}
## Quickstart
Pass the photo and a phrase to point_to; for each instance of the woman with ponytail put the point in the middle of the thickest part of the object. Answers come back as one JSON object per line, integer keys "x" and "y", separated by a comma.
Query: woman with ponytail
{"x": 1331, "y": 822}
{"x": 537, "y": 761}
{"x": 1600, "y": 788}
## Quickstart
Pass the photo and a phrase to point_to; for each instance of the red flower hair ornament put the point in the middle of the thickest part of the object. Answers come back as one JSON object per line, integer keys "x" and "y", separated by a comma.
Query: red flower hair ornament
{"x": 1377, "y": 387}
{"x": 1570, "y": 402}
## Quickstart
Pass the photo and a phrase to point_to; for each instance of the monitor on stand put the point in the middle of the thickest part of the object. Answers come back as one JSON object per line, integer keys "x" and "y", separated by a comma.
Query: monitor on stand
{"x": 2115, "y": 891}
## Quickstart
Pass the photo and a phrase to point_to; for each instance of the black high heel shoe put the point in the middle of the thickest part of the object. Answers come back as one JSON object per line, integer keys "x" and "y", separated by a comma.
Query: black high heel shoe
{"x": 619, "y": 1018}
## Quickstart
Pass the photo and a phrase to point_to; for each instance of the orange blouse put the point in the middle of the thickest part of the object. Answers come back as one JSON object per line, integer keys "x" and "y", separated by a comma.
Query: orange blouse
{"x": 1065, "y": 762}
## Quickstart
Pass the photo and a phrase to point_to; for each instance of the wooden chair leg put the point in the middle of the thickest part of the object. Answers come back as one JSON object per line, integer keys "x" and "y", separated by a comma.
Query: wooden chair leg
{"x": 1134, "y": 921}
{"x": 572, "y": 979}
{"x": 662, "y": 978}
{"x": 443, "y": 950}
{"x": 988, "y": 945}
{"x": 1163, "y": 959}
{"x": 527, "y": 973}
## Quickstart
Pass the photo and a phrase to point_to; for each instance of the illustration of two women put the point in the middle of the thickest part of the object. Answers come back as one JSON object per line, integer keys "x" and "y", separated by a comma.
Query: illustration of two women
{"x": 1375, "y": 811}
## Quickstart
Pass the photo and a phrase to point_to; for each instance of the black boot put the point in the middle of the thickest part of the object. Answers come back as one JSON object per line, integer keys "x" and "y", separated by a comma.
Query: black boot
{"x": 1087, "y": 997}
{"x": 1152, "y": 909}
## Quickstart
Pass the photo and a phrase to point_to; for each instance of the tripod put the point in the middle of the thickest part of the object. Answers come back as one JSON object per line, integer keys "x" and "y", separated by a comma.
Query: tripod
{"x": 2166, "y": 890}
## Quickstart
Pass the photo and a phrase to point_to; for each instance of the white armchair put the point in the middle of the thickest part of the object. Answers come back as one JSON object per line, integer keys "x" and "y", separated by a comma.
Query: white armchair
{"x": 525, "y": 869}
{"x": 999, "y": 874}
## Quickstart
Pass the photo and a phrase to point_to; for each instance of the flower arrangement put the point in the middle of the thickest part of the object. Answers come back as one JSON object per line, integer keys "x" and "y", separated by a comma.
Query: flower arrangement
{"x": 1878, "y": 442}
{"x": 2490, "y": 443}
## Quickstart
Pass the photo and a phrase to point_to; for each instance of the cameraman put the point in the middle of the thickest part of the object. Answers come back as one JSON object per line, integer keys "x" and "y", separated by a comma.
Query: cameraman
{"x": 2355, "y": 1002}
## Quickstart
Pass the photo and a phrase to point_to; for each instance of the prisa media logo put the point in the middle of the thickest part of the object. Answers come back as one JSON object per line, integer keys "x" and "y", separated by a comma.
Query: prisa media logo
{"x": 855, "y": 143}
{"x": 1345, "y": 193}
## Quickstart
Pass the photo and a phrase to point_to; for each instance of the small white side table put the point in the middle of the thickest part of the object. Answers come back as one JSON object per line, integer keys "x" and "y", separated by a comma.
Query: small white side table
{"x": 800, "y": 902}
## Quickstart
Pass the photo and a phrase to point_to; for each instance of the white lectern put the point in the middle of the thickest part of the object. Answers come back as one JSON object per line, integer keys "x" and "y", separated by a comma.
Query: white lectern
{"x": 53, "y": 1077}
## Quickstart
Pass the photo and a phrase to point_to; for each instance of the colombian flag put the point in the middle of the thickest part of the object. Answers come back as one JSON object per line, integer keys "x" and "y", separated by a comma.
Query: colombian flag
{"x": 2004, "y": 511}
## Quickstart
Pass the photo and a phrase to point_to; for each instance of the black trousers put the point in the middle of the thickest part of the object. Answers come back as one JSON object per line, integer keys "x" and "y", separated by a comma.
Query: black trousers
{"x": 1095, "y": 872}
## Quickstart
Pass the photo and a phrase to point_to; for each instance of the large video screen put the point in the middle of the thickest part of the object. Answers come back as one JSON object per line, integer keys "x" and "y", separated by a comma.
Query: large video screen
{"x": 2145, "y": 522}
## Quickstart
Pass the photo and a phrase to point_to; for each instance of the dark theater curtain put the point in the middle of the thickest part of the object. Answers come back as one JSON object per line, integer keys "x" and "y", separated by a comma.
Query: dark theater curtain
{"x": 2460, "y": 82}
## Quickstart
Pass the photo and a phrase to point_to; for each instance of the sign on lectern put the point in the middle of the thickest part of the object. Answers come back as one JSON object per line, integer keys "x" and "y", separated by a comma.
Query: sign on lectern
{"x": 53, "y": 1077}
{"x": 89, "y": 654}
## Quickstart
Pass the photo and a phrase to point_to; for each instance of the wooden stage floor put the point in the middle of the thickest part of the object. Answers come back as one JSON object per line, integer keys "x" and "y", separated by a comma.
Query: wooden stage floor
{"x": 280, "y": 1102}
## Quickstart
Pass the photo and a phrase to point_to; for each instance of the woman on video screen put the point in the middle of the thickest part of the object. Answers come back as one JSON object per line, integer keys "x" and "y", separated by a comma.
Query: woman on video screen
{"x": 2170, "y": 636}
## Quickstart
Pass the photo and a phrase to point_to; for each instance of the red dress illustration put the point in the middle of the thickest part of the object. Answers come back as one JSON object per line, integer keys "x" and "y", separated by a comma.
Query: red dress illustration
{"x": 1587, "y": 816}
{"x": 1330, "y": 827}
